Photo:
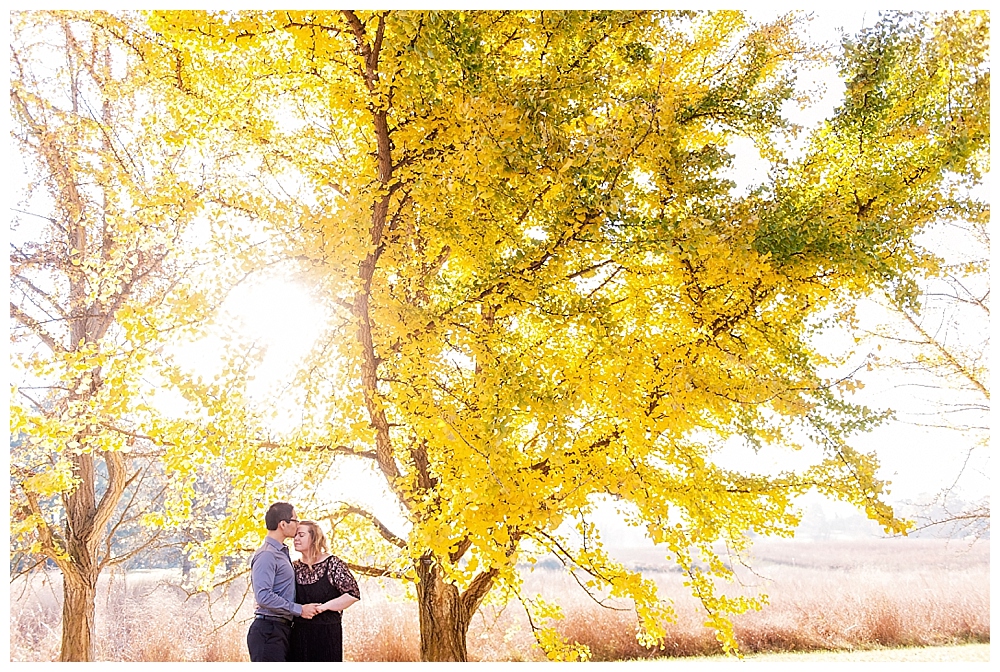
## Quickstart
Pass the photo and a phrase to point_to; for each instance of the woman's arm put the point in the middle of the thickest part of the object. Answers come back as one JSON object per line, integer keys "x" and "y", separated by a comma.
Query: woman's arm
{"x": 339, "y": 603}
{"x": 340, "y": 577}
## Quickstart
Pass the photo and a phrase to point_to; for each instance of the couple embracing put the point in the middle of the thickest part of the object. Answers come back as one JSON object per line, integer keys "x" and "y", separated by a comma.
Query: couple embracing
{"x": 298, "y": 604}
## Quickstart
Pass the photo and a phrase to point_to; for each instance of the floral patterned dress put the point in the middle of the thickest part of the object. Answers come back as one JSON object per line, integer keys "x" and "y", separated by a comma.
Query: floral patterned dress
{"x": 320, "y": 638}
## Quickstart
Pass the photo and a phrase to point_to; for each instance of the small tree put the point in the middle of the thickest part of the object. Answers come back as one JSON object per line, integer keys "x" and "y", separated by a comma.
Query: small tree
{"x": 103, "y": 275}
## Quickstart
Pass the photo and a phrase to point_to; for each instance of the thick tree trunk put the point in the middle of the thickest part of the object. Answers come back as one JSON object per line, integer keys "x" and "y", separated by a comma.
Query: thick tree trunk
{"x": 445, "y": 613}
{"x": 79, "y": 593}
{"x": 444, "y": 622}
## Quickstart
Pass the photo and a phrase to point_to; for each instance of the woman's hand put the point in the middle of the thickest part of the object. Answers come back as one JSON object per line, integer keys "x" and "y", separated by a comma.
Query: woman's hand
{"x": 339, "y": 603}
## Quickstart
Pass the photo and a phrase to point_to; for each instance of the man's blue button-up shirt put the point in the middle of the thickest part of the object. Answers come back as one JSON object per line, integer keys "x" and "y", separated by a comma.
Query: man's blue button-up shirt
{"x": 273, "y": 581}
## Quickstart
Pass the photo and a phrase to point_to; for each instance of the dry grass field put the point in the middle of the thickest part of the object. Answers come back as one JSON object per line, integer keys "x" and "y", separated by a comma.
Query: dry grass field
{"x": 860, "y": 596}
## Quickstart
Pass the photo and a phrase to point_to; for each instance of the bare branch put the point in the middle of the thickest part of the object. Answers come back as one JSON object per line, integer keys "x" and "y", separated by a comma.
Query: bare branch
{"x": 343, "y": 450}
{"x": 368, "y": 570}
{"x": 383, "y": 530}
{"x": 43, "y": 335}
{"x": 949, "y": 356}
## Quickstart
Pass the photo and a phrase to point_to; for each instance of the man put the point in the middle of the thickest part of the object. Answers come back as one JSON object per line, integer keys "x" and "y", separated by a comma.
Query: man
{"x": 273, "y": 581}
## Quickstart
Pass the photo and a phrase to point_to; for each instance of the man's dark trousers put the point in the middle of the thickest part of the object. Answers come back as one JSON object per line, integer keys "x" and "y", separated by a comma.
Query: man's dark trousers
{"x": 268, "y": 640}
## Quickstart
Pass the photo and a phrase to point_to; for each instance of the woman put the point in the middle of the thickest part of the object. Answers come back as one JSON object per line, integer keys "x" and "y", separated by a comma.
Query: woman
{"x": 324, "y": 579}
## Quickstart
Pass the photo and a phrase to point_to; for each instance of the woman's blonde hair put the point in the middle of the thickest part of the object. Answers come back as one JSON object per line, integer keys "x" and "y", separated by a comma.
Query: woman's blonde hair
{"x": 317, "y": 540}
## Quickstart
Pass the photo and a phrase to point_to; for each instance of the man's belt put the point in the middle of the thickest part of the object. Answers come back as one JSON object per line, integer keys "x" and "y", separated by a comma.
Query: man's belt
{"x": 266, "y": 617}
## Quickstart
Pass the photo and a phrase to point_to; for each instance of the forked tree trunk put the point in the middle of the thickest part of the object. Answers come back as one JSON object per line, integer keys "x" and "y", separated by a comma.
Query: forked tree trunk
{"x": 79, "y": 593}
{"x": 445, "y": 613}
{"x": 444, "y": 622}
{"x": 86, "y": 524}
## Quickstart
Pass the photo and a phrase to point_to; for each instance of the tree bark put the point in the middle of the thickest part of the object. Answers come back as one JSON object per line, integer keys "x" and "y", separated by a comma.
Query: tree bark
{"x": 86, "y": 523}
{"x": 79, "y": 594}
{"x": 445, "y": 613}
{"x": 444, "y": 623}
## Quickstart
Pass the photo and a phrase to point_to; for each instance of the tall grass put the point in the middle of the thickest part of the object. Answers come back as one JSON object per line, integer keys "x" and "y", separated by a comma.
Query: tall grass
{"x": 823, "y": 596}
{"x": 141, "y": 616}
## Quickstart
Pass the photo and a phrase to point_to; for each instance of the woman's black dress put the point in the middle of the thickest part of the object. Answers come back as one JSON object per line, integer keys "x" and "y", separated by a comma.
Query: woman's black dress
{"x": 320, "y": 638}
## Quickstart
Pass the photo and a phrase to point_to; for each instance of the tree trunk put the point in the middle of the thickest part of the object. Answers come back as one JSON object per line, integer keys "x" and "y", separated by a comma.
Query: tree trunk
{"x": 79, "y": 593}
{"x": 86, "y": 524}
{"x": 444, "y": 622}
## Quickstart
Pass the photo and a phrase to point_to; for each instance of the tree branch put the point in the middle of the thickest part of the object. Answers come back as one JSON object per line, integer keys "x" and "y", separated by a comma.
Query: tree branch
{"x": 35, "y": 328}
{"x": 383, "y": 530}
{"x": 368, "y": 570}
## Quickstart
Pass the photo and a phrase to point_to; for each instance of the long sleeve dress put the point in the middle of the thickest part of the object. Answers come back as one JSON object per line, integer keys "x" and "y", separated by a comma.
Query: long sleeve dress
{"x": 320, "y": 638}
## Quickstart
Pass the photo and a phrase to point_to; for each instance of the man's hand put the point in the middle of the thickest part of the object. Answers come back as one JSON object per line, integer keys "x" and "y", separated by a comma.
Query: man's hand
{"x": 310, "y": 610}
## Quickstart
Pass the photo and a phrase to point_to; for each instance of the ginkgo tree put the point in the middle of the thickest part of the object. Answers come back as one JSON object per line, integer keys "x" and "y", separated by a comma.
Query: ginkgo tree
{"x": 544, "y": 289}
{"x": 118, "y": 217}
